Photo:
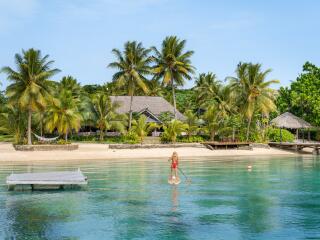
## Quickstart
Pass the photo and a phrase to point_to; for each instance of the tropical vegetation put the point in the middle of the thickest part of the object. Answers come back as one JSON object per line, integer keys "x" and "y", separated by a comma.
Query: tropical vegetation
{"x": 132, "y": 65}
{"x": 31, "y": 87}
{"x": 237, "y": 108}
{"x": 172, "y": 65}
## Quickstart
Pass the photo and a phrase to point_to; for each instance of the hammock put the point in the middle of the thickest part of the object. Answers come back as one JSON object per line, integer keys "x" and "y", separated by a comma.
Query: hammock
{"x": 43, "y": 139}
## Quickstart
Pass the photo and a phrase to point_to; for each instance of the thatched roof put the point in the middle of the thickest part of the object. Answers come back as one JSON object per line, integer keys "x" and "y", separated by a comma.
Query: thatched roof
{"x": 155, "y": 105}
{"x": 288, "y": 120}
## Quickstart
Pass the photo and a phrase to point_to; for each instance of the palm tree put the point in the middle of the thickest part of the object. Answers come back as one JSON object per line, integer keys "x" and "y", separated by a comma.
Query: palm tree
{"x": 211, "y": 117}
{"x": 133, "y": 65}
{"x": 192, "y": 121}
{"x": 71, "y": 84}
{"x": 63, "y": 114}
{"x": 253, "y": 91}
{"x": 105, "y": 115}
{"x": 142, "y": 128}
{"x": 172, "y": 64}
{"x": 3, "y": 99}
{"x": 207, "y": 86}
{"x": 31, "y": 86}
{"x": 225, "y": 101}
{"x": 174, "y": 129}
{"x": 155, "y": 88}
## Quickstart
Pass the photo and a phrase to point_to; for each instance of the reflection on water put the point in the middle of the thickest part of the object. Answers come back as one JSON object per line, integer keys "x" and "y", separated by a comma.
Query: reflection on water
{"x": 175, "y": 200}
{"x": 278, "y": 199}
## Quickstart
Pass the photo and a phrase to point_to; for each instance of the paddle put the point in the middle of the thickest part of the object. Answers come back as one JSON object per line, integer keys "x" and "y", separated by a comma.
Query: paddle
{"x": 188, "y": 180}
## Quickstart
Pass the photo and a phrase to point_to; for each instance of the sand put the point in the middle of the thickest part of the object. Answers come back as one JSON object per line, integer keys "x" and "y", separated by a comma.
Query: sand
{"x": 88, "y": 151}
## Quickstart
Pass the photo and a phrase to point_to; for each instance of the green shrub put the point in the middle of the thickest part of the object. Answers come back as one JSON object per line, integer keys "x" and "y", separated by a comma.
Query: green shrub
{"x": 172, "y": 130}
{"x": 165, "y": 138}
{"x": 317, "y": 136}
{"x": 191, "y": 139}
{"x": 131, "y": 138}
{"x": 84, "y": 138}
{"x": 63, "y": 142}
{"x": 6, "y": 138}
{"x": 274, "y": 135}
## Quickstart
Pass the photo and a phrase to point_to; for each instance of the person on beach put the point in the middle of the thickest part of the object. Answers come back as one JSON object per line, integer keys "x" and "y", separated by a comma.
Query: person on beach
{"x": 174, "y": 165}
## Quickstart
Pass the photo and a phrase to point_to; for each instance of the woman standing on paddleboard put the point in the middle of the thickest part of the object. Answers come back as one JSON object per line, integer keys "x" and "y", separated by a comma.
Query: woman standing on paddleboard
{"x": 174, "y": 165}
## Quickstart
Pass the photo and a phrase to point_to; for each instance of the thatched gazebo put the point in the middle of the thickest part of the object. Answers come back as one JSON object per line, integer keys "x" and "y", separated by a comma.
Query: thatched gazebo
{"x": 288, "y": 120}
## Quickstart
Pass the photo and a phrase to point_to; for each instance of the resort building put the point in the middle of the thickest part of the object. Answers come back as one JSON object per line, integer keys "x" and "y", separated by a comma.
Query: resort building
{"x": 151, "y": 107}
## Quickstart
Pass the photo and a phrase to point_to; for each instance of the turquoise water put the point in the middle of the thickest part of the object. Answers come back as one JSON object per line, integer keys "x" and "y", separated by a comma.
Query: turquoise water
{"x": 125, "y": 199}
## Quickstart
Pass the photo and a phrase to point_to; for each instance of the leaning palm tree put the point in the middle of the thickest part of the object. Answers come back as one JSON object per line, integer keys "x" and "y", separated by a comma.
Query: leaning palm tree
{"x": 253, "y": 91}
{"x": 104, "y": 114}
{"x": 31, "y": 86}
{"x": 63, "y": 114}
{"x": 141, "y": 128}
{"x": 133, "y": 65}
{"x": 172, "y": 64}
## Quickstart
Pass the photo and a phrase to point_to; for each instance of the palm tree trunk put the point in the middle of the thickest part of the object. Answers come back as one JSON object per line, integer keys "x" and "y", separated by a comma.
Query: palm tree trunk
{"x": 101, "y": 135}
{"x": 174, "y": 139}
{"x": 248, "y": 129}
{"x": 41, "y": 125}
{"x": 233, "y": 133}
{"x": 29, "y": 127}
{"x": 130, "y": 112}
{"x": 213, "y": 133}
{"x": 174, "y": 101}
{"x": 66, "y": 136}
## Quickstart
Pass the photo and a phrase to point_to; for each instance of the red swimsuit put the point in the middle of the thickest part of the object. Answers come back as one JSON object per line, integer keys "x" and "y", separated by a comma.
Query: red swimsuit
{"x": 174, "y": 164}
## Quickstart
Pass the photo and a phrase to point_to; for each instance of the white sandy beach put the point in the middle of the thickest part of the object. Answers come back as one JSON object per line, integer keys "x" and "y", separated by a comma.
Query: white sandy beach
{"x": 101, "y": 152}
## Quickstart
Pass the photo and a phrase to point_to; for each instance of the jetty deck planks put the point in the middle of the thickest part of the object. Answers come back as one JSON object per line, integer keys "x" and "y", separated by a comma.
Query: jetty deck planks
{"x": 49, "y": 179}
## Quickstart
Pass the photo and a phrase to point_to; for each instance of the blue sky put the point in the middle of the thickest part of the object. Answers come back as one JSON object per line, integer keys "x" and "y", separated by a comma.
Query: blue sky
{"x": 79, "y": 34}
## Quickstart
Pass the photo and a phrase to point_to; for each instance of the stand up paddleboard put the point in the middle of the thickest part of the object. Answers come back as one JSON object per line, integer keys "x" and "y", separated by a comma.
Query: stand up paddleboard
{"x": 175, "y": 181}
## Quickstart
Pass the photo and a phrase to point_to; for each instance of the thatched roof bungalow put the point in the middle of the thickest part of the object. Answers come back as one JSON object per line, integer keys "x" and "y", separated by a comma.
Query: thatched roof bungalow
{"x": 152, "y": 107}
{"x": 288, "y": 120}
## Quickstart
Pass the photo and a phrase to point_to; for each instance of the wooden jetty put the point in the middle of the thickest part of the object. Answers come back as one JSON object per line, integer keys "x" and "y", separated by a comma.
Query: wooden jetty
{"x": 226, "y": 145}
{"x": 296, "y": 146}
{"x": 46, "y": 180}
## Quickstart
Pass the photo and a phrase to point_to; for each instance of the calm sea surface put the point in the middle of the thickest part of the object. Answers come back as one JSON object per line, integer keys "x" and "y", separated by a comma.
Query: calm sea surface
{"x": 125, "y": 199}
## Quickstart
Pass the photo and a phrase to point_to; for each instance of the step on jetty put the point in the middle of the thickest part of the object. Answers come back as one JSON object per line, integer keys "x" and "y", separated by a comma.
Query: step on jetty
{"x": 46, "y": 180}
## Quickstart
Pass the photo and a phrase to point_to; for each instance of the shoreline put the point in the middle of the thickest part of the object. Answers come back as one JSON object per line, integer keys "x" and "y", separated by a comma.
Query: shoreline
{"x": 92, "y": 152}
